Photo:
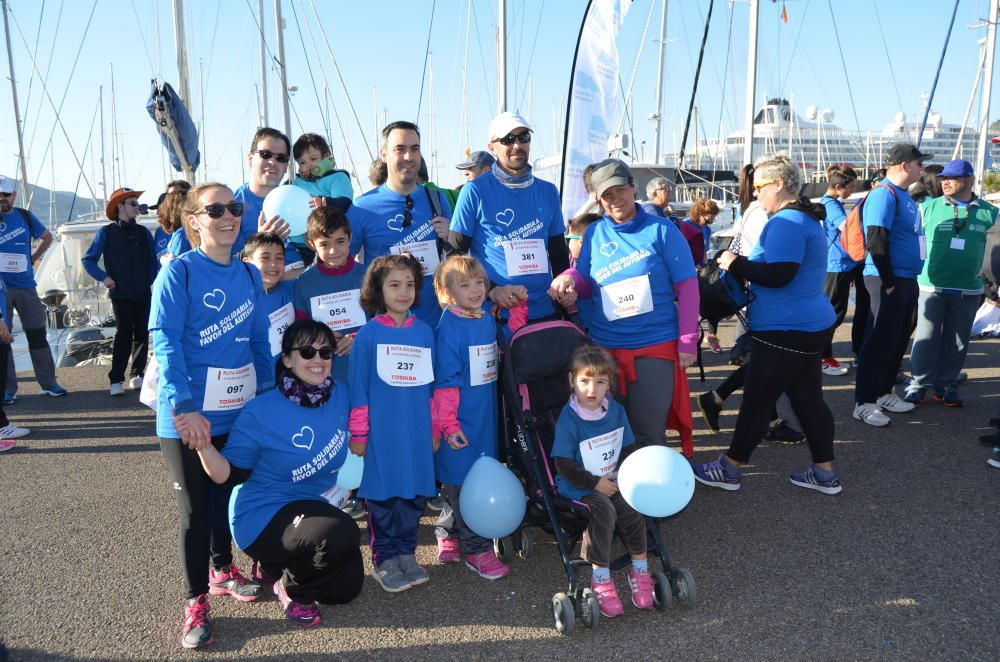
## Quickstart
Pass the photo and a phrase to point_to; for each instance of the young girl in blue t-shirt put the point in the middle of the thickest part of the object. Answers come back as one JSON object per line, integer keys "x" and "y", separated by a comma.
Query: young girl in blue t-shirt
{"x": 391, "y": 377}
{"x": 590, "y": 435}
{"x": 465, "y": 405}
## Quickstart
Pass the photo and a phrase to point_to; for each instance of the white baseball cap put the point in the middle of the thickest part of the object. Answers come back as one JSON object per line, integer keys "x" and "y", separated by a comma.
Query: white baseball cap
{"x": 506, "y": 122}
{"x": 6, "y": 184}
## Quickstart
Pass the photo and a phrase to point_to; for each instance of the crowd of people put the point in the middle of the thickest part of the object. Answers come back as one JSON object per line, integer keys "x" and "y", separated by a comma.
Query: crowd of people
{"x": 375, "y": 334}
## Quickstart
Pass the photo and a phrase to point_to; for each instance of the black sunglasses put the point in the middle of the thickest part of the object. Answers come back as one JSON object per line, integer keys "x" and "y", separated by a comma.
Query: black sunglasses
{"x": 6, "y": 195}
{"x": 267, "y": 155}
{"x": 408, "y": 212}
{"x": 510, "y": 139}
{"x": 308, "y": 352}
{"x": 217, "y": 209}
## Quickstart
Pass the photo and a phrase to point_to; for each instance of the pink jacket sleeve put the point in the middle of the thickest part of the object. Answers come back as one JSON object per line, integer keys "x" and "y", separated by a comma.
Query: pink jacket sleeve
{"x": 358, "y": 425}
{"x": 688, "y": 303}
{"x": 444, "y": 411}
{"x": 580, "y": 282}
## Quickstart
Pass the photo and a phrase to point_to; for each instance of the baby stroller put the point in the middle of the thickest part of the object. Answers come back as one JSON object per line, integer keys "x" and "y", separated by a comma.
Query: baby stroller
{"x": 535, "y": 389}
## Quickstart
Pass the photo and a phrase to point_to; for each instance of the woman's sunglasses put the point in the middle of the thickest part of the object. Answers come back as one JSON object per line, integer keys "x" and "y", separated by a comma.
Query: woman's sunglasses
{"x": 510, "y": 139}
{"x": 267, "y": 155}
{"x": 217, "y": 209}
{"x": 308, "y": 352}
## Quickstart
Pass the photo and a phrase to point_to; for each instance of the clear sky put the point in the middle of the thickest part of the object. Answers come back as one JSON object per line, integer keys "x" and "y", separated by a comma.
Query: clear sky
{"x": 380, "y": 48}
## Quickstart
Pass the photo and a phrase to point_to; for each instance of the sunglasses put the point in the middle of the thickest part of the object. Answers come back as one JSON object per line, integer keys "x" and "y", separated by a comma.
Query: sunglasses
{"x": 759, "y": 185}
{"x": 510, "y": 139}
{"x": 309, "y": 352}
{"x": 267, "y": 155}
{"x": 408, "y": 212}
{"x": 217, "y": 209}
{"x": 6, "y": 195}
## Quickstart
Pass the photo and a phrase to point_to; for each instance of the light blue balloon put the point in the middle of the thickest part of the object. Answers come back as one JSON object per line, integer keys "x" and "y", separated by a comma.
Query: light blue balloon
{"x": 492, "y": 501}
{"x": 657, "y": 481}
{"x": 349, "y": 475}
{"x": 290, "y": 203}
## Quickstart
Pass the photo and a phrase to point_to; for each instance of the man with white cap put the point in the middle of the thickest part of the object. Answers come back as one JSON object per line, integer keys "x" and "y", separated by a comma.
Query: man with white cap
{"x": 479, "y": 163}
{"x": 20, "y": 227}
{"x": 512, "y": 223}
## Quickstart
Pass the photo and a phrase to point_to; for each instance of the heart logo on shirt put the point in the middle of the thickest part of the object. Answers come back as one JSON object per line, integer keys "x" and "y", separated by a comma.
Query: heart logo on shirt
{"x": 396, "y": 223}
{"x": 608, "y": 249}
{"x": 3, "y": 227}
{"x": 304, "y": 438}
{"x": 505, "y": 217}
{"x": 215, "y": 300}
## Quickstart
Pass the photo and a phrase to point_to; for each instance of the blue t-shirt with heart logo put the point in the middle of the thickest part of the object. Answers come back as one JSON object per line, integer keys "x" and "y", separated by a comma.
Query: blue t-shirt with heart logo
{"x": 384, "y": 228}
{"x": 510, "y": 229}
{"x": 16, "y": 234}
{"x": 293, "y": 453}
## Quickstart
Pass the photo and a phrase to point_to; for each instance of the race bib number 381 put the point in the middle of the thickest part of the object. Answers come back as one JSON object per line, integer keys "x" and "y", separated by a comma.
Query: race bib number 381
{"x": 525, "y": 257}
{"x": 404, "y": 365}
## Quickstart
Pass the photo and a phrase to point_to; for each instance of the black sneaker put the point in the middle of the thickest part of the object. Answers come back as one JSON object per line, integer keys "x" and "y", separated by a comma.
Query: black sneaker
{"x": 710, "y": 410}
{"x": 995, "y": 422}
{"x": 196, "y": 630}
{"x": 990, "y": 440}
{"x": 783, "y": 433}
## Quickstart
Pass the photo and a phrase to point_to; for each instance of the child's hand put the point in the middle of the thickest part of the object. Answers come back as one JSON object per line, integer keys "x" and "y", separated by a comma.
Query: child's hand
{"x": 276, "y": 225}
{"x": 358, "y": 449}
{"x": 607, "y": 487}
{"x": 344, "y": 344}
{"x": 317, "y": 202}
{"x": 457, "y": 441}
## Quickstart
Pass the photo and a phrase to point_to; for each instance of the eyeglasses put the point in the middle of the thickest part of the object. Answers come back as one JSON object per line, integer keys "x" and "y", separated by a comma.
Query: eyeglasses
{"x": 217, "y": 209}
{"x": 132, "y": 203}
{"x": 408, "y": 212}
{"x": 570, "y": 237}
{"x": 510, "y": 139}
{"x": 759, "y": 185}
{"x": 267, "y": 155}
{"x": 308, "y": 352}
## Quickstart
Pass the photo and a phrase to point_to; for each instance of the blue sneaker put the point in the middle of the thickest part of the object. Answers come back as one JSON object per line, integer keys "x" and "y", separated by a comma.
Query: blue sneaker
{"x": 809, "y": 480}
{"x": 717, "y": 474}
{"x": 915, "y": 398}
{"x": 56, "y": 391}
{"x": 9, "y": 398}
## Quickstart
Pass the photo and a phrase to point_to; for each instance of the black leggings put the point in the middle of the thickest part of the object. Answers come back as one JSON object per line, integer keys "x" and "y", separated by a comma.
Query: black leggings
{"x": 838, "y": 289}
{"x": 315, "y": 547}
{"x": 795, "y": 370}
{"x": 735, "y": 381}
{"x": 203, "y": 507}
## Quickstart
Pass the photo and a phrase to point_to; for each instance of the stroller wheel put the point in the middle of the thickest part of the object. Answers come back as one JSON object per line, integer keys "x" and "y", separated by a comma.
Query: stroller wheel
{"x": 504, "y": 548}
{"x": 662, "y": 594}
{"x": 591, "y": 609}
{"x": 527, "y": 544}
{"x": 562, "y": 611}
{"x": 684, "y": 587}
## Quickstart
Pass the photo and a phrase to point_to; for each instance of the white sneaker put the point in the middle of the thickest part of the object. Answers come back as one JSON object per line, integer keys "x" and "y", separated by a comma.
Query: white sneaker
{"x": 834, "y": 371}
{"x": 135, "y": 383}
{"x": 872, "y": 415}
{"x": 13, "y": 432}
{"x": 117, "y": 389}
{"x": 892, "y": 403}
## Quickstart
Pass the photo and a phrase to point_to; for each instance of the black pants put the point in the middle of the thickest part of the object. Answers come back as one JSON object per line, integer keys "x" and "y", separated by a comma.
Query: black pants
{"x": 204, "y": 514}
{"x": 314, "y": 547}
{"x": 838, "y": 289}
{"x": 735, "y": 381}
{"x": 131, "y": 338}
{"x": 785, "y": 362}
{"x": 893, "y": 320}
{"x": 4, "y": 358}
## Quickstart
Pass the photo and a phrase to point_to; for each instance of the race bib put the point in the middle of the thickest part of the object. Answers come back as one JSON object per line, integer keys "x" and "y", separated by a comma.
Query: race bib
{"x": 426, "y": 252}
{"x": 600, "y": 454}
{"x": 483, "y": 362}
{"x": 280, "y": 320}
{"x": 958, "y": 244}
{"x": 404, "y": 365}
{"x": 923, "y": 246}
{"x": 13, "y": 263}
{"x": 228, "y": 389}
{"x": 339, "y": 310}
{"x": 525, "y": 257}
{"x": 627, "y": 298}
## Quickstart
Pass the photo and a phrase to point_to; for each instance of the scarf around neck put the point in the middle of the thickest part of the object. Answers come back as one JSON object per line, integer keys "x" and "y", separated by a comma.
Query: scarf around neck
{"x": 305, "y": 395}
{"x": 513, "y": 181}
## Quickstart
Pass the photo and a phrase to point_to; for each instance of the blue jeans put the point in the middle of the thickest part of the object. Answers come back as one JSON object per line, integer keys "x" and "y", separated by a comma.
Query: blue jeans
{"x": 944, "y": 322}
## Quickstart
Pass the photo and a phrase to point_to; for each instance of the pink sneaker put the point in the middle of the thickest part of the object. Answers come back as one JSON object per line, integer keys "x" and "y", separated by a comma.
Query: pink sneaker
{"x": 449, "y": 550}
{"x": 230, "y": 581}
{"x": 607, "y": 597}
{"x": 7, "y": 444}
{"x": 257, "y": 574}
{"x": 487, "y": 565}
{"x": 305, "y": 614}
{"x": 641, "y": 585}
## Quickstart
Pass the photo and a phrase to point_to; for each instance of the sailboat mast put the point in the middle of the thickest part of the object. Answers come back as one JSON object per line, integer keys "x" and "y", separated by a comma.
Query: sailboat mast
{"x": 104, "y": 170}
{"x": 658, "y": 117}
{"x": 180, "y": 47}
{"x": 263, "y": 65}
{"x": 984, "y": 116}
{"x": 502, "y": 57}
{"x": 972, "y": 99}
{"x": 17, "y": 109}
{"x": 279, "y": 25}
{"x": 751, "y": 100}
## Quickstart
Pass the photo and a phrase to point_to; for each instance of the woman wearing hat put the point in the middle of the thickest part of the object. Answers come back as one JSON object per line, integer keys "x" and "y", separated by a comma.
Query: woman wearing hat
{"x": 129, "y": 270}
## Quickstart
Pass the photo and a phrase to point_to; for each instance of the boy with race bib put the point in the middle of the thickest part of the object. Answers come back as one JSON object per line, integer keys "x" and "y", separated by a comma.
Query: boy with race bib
{"x": 391, "y": 378}
{"x": 465, "y": 402}
{"x": 266, "y": 251}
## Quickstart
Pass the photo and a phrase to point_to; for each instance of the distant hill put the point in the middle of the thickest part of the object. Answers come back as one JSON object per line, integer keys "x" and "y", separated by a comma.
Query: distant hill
{"x": 55, "y": 208}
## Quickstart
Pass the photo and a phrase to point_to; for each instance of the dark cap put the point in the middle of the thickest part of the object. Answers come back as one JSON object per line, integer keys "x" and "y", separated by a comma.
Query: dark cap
{"x": 480, "y": 159}
{"x": 608, "y": 173}
{"x": 902, "y": 152}
{"x": 957, "y": 168}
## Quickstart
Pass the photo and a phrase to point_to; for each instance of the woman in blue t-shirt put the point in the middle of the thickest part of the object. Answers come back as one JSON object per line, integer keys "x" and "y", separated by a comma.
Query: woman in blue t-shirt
{"x": 286, "y": 448}
{"x": 790, "y": 321}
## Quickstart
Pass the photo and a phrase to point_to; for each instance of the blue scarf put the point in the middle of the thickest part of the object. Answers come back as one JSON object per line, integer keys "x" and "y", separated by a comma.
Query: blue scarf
{"x": 513, "y": 181}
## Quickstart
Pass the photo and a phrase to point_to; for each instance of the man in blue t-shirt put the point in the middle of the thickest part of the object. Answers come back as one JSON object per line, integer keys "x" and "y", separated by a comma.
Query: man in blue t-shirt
{"x": 896, "y": 252}
{"x": 18, "y": 228}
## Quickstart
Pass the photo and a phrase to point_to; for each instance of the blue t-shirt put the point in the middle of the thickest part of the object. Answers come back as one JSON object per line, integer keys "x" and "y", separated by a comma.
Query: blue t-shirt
{"x": 399, "y": 461}
{"x": 293, "y": 453}
{"x": 837, "y": 259}
{"x": 160, "y": 242}
{"x": 208, "y": 334}
{"x": 15, "y": 241}
{"x": 632, "y": 268}
{"x": 277, "y": 306}
{"x": 466, "y": 354}
{"x": 341, "y": 316}
{"x": 510, "y": 229}
{"x": 178, "y": 243}
{"x": 897, "y": 214}
{"x": 383, "y": 229}
{"x": 336, "y": 184}
{"x": 802, "y": 305}
{"x": 574, "y": 435}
